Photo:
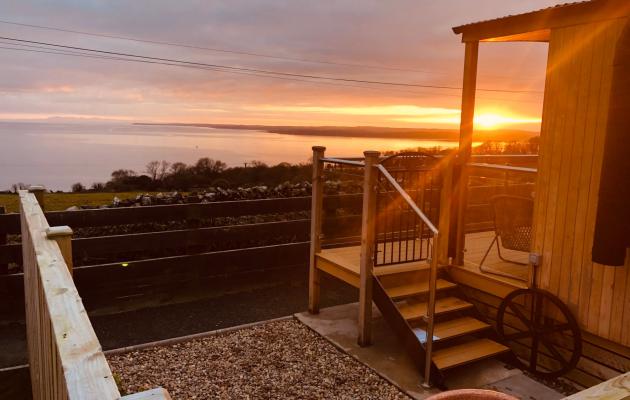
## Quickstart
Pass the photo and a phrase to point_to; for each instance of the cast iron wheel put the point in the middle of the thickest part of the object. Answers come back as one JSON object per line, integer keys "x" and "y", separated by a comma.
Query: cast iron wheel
{"x": 533, "y": 308}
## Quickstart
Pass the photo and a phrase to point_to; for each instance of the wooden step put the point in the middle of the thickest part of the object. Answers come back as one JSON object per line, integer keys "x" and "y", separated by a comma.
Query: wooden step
{"x": 413, "y": 310}
{"x": 400, "y": 268}
{"x": 452, "y": 328}
{"x": 466, "y": 353}
{"x": 417, "y": 288}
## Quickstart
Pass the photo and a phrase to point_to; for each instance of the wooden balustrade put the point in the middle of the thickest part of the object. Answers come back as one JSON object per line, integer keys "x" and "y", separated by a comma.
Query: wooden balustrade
{"x": 65, "y": 356}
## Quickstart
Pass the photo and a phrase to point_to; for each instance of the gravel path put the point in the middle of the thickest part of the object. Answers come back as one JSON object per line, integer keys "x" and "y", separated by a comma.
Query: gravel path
{"x": 277, "y": 360}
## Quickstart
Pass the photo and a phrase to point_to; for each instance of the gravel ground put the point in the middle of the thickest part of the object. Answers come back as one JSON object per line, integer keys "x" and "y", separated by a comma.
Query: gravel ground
{"x": 277, "y": 360}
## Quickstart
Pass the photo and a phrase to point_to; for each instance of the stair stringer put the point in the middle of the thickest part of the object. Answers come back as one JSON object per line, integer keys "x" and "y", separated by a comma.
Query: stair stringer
{"x": 405, "y": 334}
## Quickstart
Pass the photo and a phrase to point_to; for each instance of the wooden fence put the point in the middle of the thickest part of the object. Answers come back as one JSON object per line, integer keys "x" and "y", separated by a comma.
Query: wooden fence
{"x": 65, "y": 357}
{"x": 137, "y": 266}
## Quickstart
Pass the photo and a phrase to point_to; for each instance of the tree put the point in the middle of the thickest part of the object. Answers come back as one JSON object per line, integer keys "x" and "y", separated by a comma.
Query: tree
{"x": 122, "y": 174}
{"x": 208, "y": 166}
{"x": 97, "y": 186}
{"x": 152, "y": 168}
{"x": 78, "y": 187}
{"x": 163, "y": 169}
{"x": 178, "y": 168}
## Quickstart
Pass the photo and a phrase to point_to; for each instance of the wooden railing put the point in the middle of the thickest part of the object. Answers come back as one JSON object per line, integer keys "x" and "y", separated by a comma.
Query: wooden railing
{"x": 65, "y": 356}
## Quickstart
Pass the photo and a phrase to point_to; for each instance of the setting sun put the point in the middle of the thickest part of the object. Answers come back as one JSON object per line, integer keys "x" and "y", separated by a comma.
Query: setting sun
{"x": 495, "y": 120}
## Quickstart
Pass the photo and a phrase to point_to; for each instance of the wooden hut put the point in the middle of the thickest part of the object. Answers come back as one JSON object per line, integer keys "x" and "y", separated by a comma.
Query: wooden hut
{"x": 586, "y": 94}
{"x": 429, "y": 226}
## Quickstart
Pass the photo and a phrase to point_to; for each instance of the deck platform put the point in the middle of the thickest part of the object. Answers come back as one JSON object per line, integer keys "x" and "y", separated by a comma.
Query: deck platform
{"x": 344, "y": 263}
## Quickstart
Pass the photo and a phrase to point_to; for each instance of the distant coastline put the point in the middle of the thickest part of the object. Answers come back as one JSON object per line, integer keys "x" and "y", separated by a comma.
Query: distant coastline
{"x": 451, "y": 135}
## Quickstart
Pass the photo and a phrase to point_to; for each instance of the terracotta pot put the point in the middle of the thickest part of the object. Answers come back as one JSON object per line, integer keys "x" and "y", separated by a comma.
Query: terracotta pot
{"x": 471, "y": 394}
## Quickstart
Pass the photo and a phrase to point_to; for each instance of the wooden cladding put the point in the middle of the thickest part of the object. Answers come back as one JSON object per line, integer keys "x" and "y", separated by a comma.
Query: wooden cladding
{"x": 577, "y": 92}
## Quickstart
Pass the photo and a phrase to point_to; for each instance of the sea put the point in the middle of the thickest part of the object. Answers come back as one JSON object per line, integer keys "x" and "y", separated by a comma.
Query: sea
{"x": 58, "y": 154}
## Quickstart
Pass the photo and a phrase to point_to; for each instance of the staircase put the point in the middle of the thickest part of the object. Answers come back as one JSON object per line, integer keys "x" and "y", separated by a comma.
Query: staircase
{"x": 460, "y": 337}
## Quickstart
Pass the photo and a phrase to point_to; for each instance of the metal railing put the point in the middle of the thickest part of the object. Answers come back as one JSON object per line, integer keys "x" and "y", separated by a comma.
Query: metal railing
{"x": 400, "y": 237}
{"x": 429, "y": 318}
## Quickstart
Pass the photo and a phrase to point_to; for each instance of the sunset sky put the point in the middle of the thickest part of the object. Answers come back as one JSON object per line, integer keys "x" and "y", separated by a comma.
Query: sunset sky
{"x": 412, "y": 39}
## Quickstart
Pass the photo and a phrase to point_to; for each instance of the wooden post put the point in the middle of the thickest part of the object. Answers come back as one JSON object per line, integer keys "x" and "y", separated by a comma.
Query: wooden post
{"x": 367, "y": 247}
{"x": 317, "y": 203}
{"x": 4, "y": 268}
{"x": 63, "y": 236}
{"x": 446, "y": 205}
{"x": 39, "y": 192}
{"x": 465, "y": 143}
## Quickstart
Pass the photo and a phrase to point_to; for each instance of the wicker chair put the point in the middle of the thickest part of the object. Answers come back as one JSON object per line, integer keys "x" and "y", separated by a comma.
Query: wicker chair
{"x": 512, "y": 226}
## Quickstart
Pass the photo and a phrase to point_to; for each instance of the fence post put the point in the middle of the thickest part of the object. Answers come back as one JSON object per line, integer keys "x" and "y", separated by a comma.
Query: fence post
{"x": 317, "y": 203}
{"x": 4, "y": 268}
{"x": 39, "y": 192}
{"x": 367, "y": 247}
{"x": 63, "y": 236}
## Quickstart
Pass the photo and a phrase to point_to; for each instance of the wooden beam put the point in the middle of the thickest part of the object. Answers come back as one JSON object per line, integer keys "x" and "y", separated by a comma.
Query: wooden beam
{"x": 465, "y": 142}
{"x": 317, "y": 200}
{"x": 367, "y": 247}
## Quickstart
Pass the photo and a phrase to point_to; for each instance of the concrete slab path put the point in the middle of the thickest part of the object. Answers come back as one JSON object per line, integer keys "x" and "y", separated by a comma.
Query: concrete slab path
{"x": 387, "y": 357}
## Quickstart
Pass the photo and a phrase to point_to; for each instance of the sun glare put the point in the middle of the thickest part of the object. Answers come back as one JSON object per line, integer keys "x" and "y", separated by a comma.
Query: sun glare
{"x": 495, "y": 120}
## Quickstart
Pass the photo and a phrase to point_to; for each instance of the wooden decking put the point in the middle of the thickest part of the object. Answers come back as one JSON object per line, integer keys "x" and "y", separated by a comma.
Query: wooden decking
{"x": 476, "y": 246}
{"x": 343, "y": 262}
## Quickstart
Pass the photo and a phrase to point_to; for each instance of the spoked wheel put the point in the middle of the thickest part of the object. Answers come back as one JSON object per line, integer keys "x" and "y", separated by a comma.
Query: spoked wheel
{"x": 537, "y": 319}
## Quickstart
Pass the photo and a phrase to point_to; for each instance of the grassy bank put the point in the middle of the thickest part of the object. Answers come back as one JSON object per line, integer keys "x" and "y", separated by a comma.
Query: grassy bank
{"x": 61, "y": 201}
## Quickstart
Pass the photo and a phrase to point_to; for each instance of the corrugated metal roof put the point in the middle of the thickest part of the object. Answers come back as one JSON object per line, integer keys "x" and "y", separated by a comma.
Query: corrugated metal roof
{"x": 534, "y": 25}
{"x": 557, "y": 6}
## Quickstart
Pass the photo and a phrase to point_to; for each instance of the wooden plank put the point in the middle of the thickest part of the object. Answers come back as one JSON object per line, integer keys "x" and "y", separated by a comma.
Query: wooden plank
{"x": 468, "y": 352}
{"x": 580, "y": 284}
{"x": 415, "y": 310}
{"x": 582, "y": 72}
{"x": 617, "y": 388}
{"x": 415, "y": 288}
{"x": 452, "y": 328}
{"x": 10, "y": 223}
{"x": 211, "y": 263}
{"x": 104, "y": 246}
{"x": 493, "y": 285}
{"x": 338, "y": 272}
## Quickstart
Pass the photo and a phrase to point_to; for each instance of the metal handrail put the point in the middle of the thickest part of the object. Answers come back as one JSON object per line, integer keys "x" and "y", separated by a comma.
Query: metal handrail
{"x": 342, "y": 161}
{"x": 429, "y": 318}
{"x": 407, "y": 198}
{"x": 503, "y": 167}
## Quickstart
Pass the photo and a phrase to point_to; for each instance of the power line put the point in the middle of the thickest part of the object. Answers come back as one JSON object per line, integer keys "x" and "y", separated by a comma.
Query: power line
{"x": 47, "y": 50}
{"x": 243, "y": 53}
{"x": 270, "y": 72}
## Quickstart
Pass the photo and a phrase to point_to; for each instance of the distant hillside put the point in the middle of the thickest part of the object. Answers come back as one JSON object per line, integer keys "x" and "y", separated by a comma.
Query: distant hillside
{"x": 502, "y": 135}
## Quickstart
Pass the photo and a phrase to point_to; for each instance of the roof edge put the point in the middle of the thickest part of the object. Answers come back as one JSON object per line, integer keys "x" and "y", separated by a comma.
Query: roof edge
{"x": 553, "y": 17}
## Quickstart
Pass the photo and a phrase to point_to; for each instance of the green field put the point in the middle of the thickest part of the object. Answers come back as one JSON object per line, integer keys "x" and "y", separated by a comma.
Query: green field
{"x": 61, "y": 201}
